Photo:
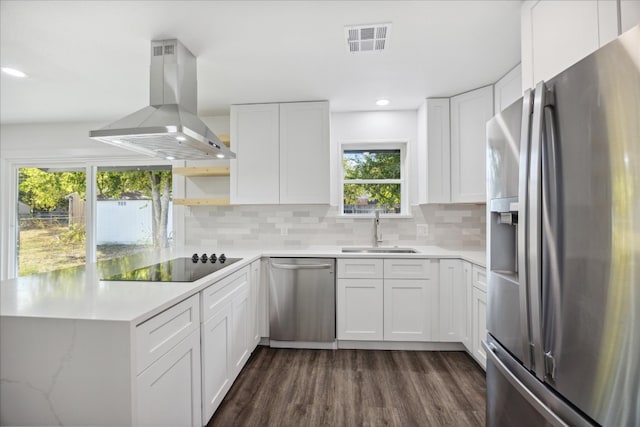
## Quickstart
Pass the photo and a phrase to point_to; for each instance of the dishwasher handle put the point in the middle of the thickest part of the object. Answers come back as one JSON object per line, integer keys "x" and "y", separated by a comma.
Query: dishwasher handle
{"x": 301, "y": 266}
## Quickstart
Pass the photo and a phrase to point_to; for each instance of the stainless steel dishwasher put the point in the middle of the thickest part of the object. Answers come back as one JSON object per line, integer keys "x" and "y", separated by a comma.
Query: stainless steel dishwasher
{"x": 302, "y": 302}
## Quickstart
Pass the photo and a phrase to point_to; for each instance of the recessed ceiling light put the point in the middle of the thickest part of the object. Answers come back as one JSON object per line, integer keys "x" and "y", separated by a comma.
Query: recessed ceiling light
{"x": 382, "y": 102}
{"x": 220, "y": 156}
{"x": 13, "y": 72}
{"x": 181, "y": 138}
{"x": 170, "y": 158}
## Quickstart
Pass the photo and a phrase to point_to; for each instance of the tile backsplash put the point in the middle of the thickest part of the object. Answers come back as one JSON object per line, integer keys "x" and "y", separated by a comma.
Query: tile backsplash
{"x": 460, "y": 226}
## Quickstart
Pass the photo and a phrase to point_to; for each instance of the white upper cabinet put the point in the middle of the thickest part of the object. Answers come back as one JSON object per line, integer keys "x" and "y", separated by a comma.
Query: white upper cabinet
{"x": 304, "y": 152}
{"x": 629, "y": 14}
{"x": 557, "y": 34}
{"x": 508, "y": 89}
{"x": 451, "y": 146}
{"x": 282, "y": 153}
{"x": 434, "y": 149}
{"x": 255, "y": 136}
{"x": 470, "y": 112}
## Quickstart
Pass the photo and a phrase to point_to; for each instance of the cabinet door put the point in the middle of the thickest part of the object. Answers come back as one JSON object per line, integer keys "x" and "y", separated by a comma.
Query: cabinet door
{"x": 255, "y": 173}
{"x": 629, "y": 14}
{"x": 469, "y": 115}
{"x": 241, "y": 329}
{"x": 479, "y": 278}
{"x": 168, "y": 391}
{"x": 479, "y": 325}
{"x": 453, "y": 301}
{"x": 216, "y": 359}
{"x": 410, "y": 309}
{"x": 255, "y": 313}
{"x": 508, "y": 89}
{"x": 159, "y": 334}
{"x": 434, "y": 147}
{"x": 467, "y": 278}
{"x": 359, "y": 307}
{"x": 360, "y": 268}
{"x": 304, "y": 152}
{"x": 557, "y": 34}
{"x": 398, "y": 268}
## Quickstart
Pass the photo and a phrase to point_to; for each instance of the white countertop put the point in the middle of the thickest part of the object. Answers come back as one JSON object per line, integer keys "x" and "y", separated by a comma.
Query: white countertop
{"x": 78, "y": 293}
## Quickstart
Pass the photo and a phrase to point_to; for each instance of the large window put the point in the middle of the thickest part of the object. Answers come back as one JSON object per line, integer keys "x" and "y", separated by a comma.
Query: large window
{"x": 373, "y": 178}
{"x": 57, "y": 208}
{"x": 133, "y": 210}
{"x": 51, "y": 219}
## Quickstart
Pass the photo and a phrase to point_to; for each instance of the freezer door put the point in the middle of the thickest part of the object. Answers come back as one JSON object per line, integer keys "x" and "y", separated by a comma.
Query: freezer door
{"x": 590, "y": 269}
{"x": 517, "y": 398}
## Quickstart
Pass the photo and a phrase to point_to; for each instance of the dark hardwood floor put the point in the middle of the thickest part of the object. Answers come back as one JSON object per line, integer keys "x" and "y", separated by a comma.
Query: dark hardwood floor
{"x": 285, "y": 387}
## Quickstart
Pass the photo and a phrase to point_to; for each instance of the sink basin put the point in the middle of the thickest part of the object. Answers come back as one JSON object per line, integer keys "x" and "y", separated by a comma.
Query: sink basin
{"x": 372, "y": 250}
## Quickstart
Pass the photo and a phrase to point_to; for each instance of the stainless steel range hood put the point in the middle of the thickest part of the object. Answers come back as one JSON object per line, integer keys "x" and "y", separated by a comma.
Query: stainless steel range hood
{"x": 169, "y": 128}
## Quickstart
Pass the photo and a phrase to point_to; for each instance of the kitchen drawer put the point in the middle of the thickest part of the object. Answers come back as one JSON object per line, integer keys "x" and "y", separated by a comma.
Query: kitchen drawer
{"x": 161, "y": 333}
{"x": 407, "y": 269}
{"x": 360, "y": 268}
{"x": 480, "y": 278}
{"x": 215, "y": 295}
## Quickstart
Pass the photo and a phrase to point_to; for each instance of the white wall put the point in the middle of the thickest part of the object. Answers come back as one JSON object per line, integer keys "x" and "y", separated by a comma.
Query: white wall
{"x": 374, "y": 126}
{"x": 55, "y": 140}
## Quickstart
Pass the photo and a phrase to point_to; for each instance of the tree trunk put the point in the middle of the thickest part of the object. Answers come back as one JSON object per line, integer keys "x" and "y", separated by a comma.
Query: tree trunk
{"x": 160, "y": 210}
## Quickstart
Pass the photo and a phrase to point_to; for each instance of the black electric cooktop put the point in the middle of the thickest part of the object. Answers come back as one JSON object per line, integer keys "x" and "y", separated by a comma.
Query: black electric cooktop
{"x": 176, "y": 270}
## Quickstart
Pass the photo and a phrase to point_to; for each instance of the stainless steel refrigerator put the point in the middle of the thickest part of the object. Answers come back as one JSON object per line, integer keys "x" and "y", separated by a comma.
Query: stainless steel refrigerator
{"x": 563, "y": 246}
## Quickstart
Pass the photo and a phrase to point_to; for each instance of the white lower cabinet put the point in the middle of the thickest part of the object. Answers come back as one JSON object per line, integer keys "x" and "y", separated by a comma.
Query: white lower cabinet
{"x": 240, "y": 331}
{"x": 467, "y": 278}
{"x": 226, "y": 336}
{"x": 257, "y": 299}
{"x": 392, "y": 300}
{"x": 479, "y": 314}
{"x": 480, "y": 325}
{"x": 453, "y": 301}
{"x": 168, "y": 391}
{"x": 359, "y": 309}
{"x": 412, "y": 300}
{"x": 409, "y": 308}
{"x": 216, "y": 357}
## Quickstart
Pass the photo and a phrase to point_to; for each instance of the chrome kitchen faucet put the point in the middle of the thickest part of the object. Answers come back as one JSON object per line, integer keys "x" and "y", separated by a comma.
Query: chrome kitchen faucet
{"x": 376, "y": 234}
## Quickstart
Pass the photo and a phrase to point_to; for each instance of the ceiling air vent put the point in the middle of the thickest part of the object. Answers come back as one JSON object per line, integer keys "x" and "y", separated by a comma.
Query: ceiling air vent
{"x": 367, "y": 38}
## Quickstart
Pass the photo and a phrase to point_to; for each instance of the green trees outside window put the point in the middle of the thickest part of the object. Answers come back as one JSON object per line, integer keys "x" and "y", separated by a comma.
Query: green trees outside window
{"x": 372, "y": 181}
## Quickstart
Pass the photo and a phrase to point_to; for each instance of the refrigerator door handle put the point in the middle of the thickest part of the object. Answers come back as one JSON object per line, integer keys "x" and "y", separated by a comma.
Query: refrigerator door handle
{"x": 531, "y": 398}
{"x": 534, "y": 241}
{"x": 552, "y": 248}
{"x": 523, "y": 220}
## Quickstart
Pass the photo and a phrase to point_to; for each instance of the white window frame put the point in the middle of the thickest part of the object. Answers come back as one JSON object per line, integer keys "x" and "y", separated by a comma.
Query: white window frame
{"x": 377, "y": 145}
{"x": 9, "y": 261}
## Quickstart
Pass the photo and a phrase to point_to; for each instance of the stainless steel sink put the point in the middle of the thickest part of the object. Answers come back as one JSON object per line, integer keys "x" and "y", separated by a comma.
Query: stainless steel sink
{"x": 373, "y": 250}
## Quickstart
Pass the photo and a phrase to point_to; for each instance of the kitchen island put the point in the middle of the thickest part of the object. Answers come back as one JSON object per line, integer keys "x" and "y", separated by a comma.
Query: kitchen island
{"x": 75, "y": 349}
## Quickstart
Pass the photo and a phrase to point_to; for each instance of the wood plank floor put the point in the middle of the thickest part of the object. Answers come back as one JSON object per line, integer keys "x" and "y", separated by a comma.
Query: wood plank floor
{"x": 285, "y": 387}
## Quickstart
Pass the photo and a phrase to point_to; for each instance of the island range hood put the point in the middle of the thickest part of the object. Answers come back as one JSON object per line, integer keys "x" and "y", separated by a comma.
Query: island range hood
{"x": 168, "y": 128}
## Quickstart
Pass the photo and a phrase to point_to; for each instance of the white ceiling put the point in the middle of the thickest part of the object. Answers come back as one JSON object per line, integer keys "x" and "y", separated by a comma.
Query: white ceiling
{"x": 89, "y": 60}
